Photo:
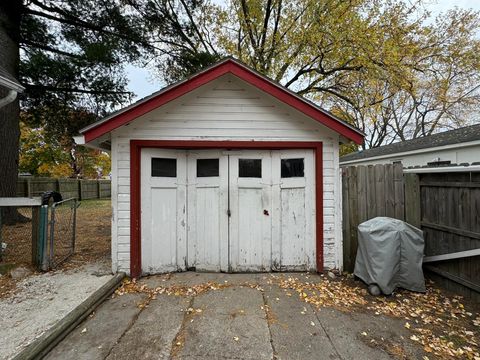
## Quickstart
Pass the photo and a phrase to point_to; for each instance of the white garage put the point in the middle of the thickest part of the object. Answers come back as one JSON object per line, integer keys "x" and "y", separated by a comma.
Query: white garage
{"x": 220, "y": 210}
{"x": 225, "y": 171}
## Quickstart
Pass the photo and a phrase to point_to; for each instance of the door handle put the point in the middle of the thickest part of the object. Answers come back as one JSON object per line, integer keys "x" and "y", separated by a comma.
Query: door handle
{"x": 229, "y": 213}
{"x": 265, "y": 212}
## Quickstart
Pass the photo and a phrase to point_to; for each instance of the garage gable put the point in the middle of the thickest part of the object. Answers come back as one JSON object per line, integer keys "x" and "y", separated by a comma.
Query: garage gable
{"x": 230, "y": 67}
{"x": 226, "y": 108}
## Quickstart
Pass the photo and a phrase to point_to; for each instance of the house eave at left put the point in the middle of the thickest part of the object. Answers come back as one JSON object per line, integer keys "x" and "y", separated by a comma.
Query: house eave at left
{"x": 102, "y": 143}
{"x": 11, "y": 83}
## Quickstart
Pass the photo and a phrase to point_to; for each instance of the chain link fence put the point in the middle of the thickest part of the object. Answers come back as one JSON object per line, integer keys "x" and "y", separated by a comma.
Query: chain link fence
{"x": 36, "y": 235}
{"x": 16, "y": 233}
{"x": 62, "y": 231}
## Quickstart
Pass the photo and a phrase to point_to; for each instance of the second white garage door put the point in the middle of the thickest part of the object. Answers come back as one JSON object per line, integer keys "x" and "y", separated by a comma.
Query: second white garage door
{"x": 215, "y": 210}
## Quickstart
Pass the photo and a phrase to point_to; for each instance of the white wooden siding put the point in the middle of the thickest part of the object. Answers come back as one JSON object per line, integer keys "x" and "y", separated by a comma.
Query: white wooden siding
{"x": 225, "y": 109}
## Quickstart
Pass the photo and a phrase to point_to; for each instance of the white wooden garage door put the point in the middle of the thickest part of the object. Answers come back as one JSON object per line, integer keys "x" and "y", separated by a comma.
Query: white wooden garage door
{"x": 216, "y": 210}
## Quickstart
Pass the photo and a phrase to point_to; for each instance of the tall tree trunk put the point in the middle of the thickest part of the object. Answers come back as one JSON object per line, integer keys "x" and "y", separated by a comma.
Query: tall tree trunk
{"x": 10, "y": 13}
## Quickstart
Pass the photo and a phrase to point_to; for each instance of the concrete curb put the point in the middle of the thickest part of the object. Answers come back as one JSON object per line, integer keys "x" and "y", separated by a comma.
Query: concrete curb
{"x": 41, "y": 346}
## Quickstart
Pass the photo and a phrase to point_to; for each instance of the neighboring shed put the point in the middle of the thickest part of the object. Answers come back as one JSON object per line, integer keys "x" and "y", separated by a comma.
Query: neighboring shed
{"x": 224, "y": 171}
{"x": 448, "y": 148}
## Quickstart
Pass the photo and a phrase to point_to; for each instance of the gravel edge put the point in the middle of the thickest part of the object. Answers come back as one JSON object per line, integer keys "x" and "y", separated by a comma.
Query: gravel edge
{"x": 41, "y": 346}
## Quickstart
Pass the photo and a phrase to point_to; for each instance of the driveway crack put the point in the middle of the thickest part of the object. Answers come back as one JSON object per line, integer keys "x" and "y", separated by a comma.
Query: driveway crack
{"x": 130, "y": 325}
{"x": 266, "y": 308}
{"x": 179, "y": 339}
{"x": 326, "y": 332}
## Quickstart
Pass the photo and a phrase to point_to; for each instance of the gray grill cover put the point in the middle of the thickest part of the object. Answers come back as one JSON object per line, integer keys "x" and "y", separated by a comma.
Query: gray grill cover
{"x": 390, "y": 255}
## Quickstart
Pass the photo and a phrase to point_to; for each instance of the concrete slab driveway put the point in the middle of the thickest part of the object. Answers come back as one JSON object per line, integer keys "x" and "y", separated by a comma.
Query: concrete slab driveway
{"x": 242, "y": 316}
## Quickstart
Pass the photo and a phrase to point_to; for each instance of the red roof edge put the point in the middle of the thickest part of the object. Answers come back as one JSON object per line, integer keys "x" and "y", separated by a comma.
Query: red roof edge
{"x": 227, "y": 66}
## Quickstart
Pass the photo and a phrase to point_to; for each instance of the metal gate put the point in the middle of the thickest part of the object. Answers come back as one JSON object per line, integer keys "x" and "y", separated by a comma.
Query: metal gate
{"x": 57, "y": 229}
{"x": 62, "y": 231}
{"x": 43, "y": 235}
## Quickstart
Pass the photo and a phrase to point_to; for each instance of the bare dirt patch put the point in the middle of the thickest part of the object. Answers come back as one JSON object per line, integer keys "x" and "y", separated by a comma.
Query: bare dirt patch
{"x": 93, "y": 236}
{"x": 93, "y": 239}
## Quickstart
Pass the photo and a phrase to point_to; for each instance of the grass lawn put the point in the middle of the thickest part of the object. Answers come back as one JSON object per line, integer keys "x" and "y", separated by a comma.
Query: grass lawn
{"x": 92, "y": 241}
{"x": 93, "y": 231}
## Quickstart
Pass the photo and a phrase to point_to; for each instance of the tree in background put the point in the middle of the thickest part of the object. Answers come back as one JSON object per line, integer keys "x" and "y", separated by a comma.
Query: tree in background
{"x": 70, "y": 56}
{"x": 438, "y": 89}
{"x": 379, "y": 64}
{"x": 181, "y": 35}
{"x": 42, "y": 155}
{"x": 384, "y": 66}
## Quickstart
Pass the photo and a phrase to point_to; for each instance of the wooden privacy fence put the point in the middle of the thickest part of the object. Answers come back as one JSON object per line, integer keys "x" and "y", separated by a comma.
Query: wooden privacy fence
{"x": 368, "y": 192}
{"x": 69, "y": 188}
{"x": 450, "y": 220}
{"x": 445, "y": 206}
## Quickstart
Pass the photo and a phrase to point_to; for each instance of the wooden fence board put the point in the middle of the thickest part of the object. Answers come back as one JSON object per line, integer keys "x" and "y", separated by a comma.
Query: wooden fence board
{"x": 362, "y": 198}
{"x": 353, "y": 215}
{"x": 368, "y": 192}
{"x": 346, "y": 220}
{"x": 399, "y": 189}
{"x": 380, "y": 199}
{"x": 445, "y": 206}
{"x": 389, "y": 191}
{"x": 69, "y": 188}
{"x": 412, "y": 199}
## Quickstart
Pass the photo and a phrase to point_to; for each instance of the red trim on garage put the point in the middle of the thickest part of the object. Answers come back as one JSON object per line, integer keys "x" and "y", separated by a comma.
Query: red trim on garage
{"x": 319, "y": 204}
{"x": 135, "y": 184}
{"x": 239, "y": 70}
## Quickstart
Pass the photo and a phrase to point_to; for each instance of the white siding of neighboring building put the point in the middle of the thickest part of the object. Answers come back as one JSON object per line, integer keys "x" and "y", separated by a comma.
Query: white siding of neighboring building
{"x": 456, "y": 154}
{"x": 225, "y": 109}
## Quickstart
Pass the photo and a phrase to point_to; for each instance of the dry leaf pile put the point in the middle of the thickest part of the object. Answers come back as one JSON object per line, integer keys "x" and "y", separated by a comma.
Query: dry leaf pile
{"x": 325, "y": 293}
{"x": 131, "y": 286}
{"x": 441, "y": 325}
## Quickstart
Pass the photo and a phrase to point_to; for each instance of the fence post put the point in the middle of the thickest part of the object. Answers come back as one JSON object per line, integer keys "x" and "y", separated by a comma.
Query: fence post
{"x": 353, "y": 216}
{"x": 412, "y": 199}
{"x": 43, "y": 237}
{"x": 80, "y": 197}
{"x": 28, "y": 184}
{"x": 35, "y": 234}
{"x": 351, "y": 241}
{"x": 399, "y": 189}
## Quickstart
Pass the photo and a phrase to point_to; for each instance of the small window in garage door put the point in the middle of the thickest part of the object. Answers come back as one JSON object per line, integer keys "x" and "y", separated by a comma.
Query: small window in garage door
{"x": 164, "y": 167}
{"x": 208, "y": 167}
{"x": 250, "y": 168}
{"x": 292, "y": 168}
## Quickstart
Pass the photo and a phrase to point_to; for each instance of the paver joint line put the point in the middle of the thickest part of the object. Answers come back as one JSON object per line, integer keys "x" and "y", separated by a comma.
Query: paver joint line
{"x": 135, "y": 318}
{"x": 326, "y": 332}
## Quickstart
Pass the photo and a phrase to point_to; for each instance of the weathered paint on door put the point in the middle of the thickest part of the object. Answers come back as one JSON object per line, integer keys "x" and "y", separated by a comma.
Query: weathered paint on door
{"x": 164, "y": 235}
{"x": 250, "y": 206}
{"x": 228, "y": 211}
{"x": 207, "y": 212}
{"x": 294, "y": 213}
